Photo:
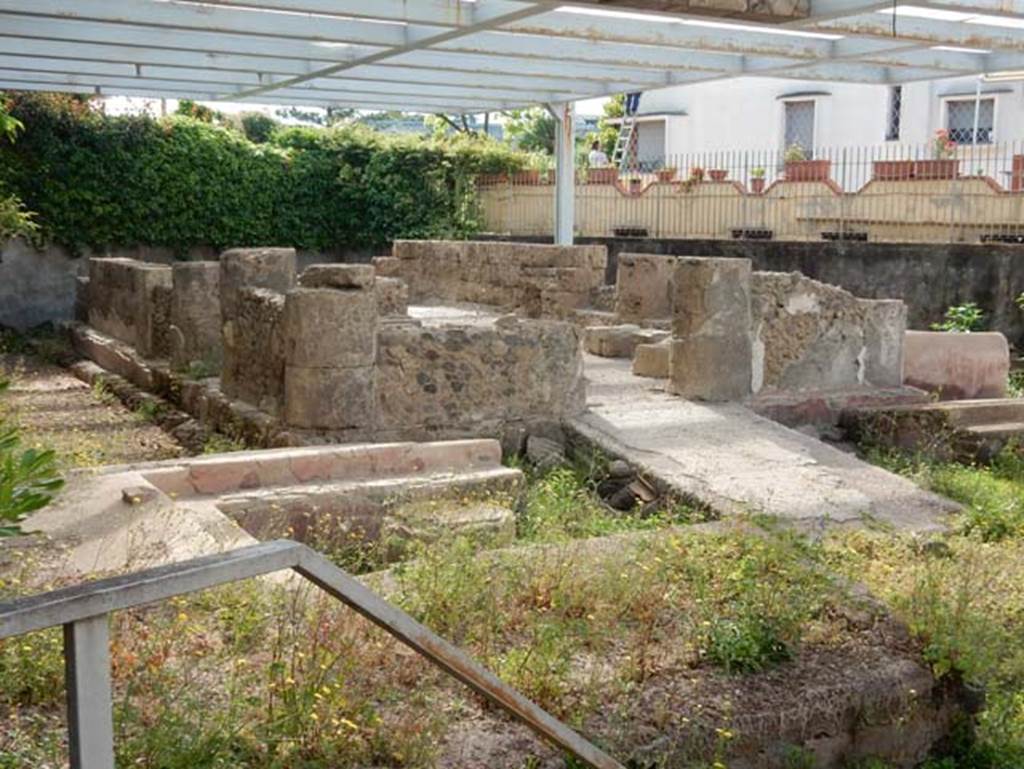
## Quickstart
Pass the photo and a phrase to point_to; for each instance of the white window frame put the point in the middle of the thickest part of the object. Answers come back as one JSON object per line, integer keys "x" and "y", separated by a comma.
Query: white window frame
{"x": 816, "y": 100}
{"x": 970, "y": 100}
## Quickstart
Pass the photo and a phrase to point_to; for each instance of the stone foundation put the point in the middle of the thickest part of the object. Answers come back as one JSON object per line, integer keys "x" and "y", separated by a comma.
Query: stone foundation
{"x": 542, "y": 281}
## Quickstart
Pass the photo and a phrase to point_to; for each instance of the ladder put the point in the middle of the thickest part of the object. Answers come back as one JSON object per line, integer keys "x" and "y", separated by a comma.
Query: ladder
{"x": 624, "y": 154}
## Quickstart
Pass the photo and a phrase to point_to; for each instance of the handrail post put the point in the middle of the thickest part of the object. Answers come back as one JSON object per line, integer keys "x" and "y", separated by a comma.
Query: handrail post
{"x": 90, "y": 718}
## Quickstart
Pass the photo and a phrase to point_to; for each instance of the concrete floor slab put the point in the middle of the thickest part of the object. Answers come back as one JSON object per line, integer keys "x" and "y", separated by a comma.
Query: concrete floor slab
{"x": 737, "y": 462}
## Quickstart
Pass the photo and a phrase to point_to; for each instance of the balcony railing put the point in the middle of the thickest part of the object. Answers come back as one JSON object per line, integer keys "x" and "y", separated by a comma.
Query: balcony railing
{"x": 888, "y": 192}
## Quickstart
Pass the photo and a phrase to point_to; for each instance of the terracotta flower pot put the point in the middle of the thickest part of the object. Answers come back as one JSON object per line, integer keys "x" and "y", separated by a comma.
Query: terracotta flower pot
{"x": 757, "y": 185}
{"x": 666, "y": 174}
{"x": 946, "y": 168}
{"x": 530, "y": 177}
{"x": 892, "y": 170}
{"x": 808, "y": 170}
{"x": 602, "y": 175}
{"x": 718, "y": 174}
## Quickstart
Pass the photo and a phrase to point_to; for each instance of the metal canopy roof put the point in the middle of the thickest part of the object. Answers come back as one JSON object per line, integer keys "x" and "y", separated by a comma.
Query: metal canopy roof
{"x": 462, "y": 56}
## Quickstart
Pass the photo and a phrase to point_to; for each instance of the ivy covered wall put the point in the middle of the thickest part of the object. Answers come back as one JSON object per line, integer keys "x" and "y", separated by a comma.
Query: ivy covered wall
{"x": 178, "y": 182}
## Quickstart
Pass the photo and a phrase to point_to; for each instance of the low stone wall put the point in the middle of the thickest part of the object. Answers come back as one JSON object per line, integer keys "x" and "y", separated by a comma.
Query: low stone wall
{"x": 928, "y": 277}
{"x": 457, "y": 377}
{"x": 331, "y": 354}
{"x": 809, "y": 335}
{"x": 130, "y": 301}
{"x": 736, "y": 333}
{"x": 542, "y": 281}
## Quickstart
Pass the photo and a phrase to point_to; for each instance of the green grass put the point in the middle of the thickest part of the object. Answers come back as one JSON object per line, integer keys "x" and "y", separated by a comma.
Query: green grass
{"x": 965, "y": 599}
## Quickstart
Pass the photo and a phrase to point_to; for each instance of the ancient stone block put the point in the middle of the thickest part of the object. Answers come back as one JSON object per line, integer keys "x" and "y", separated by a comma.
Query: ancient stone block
{"x": 196, "y": 334}
{"x": 957, "y": 366}
{"x": 339, "y": 276}
{"x": 271, "y": 268}
{"x": 455, "y": 377}
{"x": 392, "y": 296}
{"x": 387, "y": 266}
{"x": 122, "y": 302}
{"x": 327, "y": 328}
{"x": 329, "y": 398}
{"x": 253, "y": 369}
{"x": 652, "y": 360}
{"x": 711, "y": 346}
{"x": 644, "y": 287}
{"x": 547, "y": 281}
{"x": 810, "y": 335}
{"x": 619, "y": 341}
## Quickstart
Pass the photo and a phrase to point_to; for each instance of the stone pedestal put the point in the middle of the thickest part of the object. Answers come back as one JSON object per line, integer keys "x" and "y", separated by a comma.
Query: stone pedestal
{"x": 195, "y": 334}
{"x": 711, "y": 350}
{"x": 330, "y": 335}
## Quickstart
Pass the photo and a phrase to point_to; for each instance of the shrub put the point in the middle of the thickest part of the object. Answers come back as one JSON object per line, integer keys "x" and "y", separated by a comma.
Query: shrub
{"x": 181, "y": 181}
{"x": 28, "y": 478}
{"x": 962, "y": 318}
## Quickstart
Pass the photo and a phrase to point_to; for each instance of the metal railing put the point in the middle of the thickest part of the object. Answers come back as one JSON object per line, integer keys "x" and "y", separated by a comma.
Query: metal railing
{"x": 887, "y": 192}
{"x": 83, "y": 612}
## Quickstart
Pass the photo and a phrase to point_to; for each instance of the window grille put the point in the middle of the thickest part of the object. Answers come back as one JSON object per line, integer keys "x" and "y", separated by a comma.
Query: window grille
{"x": 892, "y": 127}
{"x": 799, "y": 129}
{"x": 960, "y": 120}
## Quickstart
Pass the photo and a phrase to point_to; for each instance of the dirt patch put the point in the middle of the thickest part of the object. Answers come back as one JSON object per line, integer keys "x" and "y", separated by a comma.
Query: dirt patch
{"x": 86, "y": 426}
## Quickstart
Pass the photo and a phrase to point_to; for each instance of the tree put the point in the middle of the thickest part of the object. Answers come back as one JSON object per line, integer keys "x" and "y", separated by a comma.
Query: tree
{"x": 197, "y": 111}
{"x": 14, "y": 219}
{"x": 327, "y": 117}
{"x": 531, "y": 130}
{"x": 258, "y": 127}
{"x": 608, "y": 132}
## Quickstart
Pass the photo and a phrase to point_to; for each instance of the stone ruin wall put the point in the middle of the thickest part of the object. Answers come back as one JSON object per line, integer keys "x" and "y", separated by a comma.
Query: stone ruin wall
{"x": 333, "y": 351}
{"x": 736, "y": 332}
{"x": 808, "y": 334}
{"x": 541, "y": 281}
{"x": 128, "y": 301}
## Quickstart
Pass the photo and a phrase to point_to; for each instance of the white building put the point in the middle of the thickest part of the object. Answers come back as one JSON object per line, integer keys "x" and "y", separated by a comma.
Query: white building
{"x": 769, "y": 114}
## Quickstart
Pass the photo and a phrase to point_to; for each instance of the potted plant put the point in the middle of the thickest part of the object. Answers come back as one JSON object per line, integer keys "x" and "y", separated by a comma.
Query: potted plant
{"x": 718, "y": 174}
{"x": 892, "y": 170}
{"x": 666, "y": 174}
{"x": 757, "y": 181}
{"x": 602, "y": 175}
{"x": 799, "y": 169}
{"x": 536, "y": 165}
{"x": 696, "y": 177}
{"x": 636, "y": 184}
{"x": 944, "y": 165}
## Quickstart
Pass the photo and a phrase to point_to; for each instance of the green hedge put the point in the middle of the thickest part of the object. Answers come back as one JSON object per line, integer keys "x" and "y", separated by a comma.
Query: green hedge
{"x": 177, "y": 182}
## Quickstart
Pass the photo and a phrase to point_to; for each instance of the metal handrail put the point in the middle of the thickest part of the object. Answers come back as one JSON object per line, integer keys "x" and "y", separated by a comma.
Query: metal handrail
{"x": 82, "y": 611}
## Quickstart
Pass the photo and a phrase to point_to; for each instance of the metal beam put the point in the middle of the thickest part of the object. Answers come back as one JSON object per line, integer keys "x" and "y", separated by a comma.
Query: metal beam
{"x": 415, "y": 39}
{"x": 565, "y": 171}
{"x": 960, "y": 34}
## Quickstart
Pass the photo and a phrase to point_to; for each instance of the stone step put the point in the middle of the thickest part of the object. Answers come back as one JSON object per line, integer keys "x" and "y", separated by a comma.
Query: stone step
{"x": 974, "y": 413}
{"x": 379, "y": 519}
{"x": 246, "y": 470}
{"x": 998, "y": 429}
